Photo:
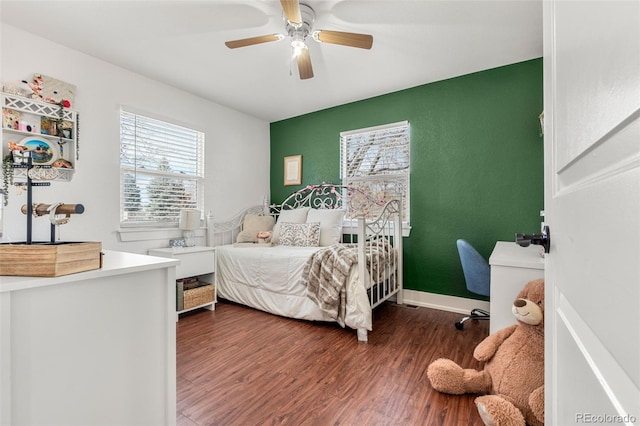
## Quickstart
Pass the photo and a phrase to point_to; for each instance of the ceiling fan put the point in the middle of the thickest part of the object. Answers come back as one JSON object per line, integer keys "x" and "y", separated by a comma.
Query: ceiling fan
{"x": 299, "y": 22}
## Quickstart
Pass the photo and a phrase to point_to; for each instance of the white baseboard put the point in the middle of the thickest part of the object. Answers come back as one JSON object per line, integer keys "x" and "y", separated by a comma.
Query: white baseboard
{"x": 460, "y": 305}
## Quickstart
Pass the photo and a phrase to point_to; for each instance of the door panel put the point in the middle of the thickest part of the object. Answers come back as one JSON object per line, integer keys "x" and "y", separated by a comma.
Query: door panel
{"x": 592, "y": 206}
{"x": 596, "y": 68}
{"x": 601, "y": 289}
{"x": 587, "y": 365}
{"x": 577, "y": 369}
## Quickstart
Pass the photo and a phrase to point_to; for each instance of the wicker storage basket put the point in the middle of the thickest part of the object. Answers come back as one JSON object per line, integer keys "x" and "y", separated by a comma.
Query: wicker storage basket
{"x": 198, "y": 296}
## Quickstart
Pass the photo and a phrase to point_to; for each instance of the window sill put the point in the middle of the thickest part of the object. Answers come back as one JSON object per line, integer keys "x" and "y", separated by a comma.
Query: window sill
{"x": 149, "y": 234}
{"x": 350, "y": 226}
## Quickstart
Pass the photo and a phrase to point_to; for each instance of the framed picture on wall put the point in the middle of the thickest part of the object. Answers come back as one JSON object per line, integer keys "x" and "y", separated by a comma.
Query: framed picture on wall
{"x": 293, "y": 170}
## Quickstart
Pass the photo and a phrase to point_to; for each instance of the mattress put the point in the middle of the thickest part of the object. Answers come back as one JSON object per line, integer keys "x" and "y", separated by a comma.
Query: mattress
{"x": 269, "y": 279}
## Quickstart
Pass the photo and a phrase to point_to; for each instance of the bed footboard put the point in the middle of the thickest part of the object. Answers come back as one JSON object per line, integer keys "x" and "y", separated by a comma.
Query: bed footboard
{"x": 375, "y": 226}
{"x": 380, "y": 258}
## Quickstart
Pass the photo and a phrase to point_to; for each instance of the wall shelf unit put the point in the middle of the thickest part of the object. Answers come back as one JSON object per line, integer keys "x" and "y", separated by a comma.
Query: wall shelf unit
{"x": 42, "y": 126}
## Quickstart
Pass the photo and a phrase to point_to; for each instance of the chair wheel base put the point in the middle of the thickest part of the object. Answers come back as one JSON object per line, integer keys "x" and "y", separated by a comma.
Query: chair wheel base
{"x": 476, "y": 314}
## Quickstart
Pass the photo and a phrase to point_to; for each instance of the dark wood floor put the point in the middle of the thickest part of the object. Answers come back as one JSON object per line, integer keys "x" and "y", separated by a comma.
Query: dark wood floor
{"x": 239, "y": 366}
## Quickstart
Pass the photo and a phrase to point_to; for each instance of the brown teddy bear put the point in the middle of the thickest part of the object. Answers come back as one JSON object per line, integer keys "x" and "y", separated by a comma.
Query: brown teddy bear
{"x": 512, "y": 380}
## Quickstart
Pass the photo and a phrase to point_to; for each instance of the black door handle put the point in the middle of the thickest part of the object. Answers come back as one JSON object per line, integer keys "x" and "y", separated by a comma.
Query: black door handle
{"x": 542, "y": 239}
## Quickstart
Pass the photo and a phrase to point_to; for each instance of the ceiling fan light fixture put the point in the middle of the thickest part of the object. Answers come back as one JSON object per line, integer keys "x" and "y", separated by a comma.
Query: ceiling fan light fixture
{"x": 299, "y": 19}
{"x": 298, "y": 46}
{"x": 295, "y": 25}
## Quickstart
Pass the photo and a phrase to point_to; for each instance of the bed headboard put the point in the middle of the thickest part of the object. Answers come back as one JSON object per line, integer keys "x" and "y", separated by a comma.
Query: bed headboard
{"x": 220, "y": 233}
{"x": 355, "y": 200}
{"x": 376, "y": 217}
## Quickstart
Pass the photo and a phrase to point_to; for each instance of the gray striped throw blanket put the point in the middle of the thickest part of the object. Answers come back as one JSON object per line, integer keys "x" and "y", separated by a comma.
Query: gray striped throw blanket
{"x": 325, "y": 276}
{"x": 327, "y": 272}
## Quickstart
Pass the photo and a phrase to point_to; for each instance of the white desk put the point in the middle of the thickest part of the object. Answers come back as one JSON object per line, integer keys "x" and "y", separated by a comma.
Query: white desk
{"x": 512, "y": 267}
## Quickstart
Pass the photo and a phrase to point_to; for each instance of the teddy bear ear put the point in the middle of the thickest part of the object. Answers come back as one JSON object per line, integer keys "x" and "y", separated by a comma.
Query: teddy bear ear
{"x": 533, "y": 290}
{"x": 537, "y": 290}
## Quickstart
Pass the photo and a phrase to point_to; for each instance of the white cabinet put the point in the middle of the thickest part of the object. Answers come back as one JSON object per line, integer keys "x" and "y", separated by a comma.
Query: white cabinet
{"x": 512, "y": 267}
{"x": 92, "y": 348}
{"x": 49, "y": 131}
{"x": 195, "y": 276}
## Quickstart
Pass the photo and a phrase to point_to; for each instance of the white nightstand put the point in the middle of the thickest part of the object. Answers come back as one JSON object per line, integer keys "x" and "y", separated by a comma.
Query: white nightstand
{"x": 198, "y": 262}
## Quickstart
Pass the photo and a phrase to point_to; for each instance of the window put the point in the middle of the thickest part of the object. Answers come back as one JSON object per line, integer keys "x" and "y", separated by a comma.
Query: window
{"x": 161, "y": 170}
{"x": 377, "y": 159}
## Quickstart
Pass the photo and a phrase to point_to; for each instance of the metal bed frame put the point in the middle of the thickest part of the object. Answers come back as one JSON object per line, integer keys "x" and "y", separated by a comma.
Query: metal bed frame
{"x": 367, "y": 222}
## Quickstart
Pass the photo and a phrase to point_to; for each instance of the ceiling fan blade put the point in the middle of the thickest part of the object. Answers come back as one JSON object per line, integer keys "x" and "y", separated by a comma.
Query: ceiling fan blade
{"x": 233, "y": 44}
{"x": 363, "y": 41}
{"x": 291, "y": 10}
{"x": 304, "y": 64}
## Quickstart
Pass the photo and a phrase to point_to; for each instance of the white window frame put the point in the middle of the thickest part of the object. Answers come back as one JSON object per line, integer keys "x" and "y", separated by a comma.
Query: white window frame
{"x": 387, "y": 135}
{"x": 186, "y": 148}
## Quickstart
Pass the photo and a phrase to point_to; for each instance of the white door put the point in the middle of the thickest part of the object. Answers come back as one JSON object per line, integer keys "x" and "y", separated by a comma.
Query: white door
{"x": 592, "y": 206}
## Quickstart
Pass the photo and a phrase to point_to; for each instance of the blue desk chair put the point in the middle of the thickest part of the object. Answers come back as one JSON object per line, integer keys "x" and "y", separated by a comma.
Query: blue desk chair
{"x": 477, "y": 274}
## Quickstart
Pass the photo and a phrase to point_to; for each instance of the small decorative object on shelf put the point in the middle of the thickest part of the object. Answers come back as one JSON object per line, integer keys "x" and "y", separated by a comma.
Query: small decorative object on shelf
{"x": 18, "y": 88}
{"x": 49, "y": 89}
{"x": 177, "y": 242}
{"x": 541, "y": 118}
{"x": 7, "y": 176}
{"x": 62, "y": 128}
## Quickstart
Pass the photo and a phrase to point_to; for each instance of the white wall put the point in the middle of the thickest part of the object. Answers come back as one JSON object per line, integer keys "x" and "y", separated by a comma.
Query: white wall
{"x": 237, "y": 145}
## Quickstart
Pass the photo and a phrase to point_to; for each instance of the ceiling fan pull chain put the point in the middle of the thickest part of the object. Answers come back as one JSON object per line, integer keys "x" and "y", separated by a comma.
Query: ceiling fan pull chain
{"x": 292, "y": 59}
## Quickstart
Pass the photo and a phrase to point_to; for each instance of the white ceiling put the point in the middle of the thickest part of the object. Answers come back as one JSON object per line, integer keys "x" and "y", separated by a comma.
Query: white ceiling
{"x": 181, "y": 43}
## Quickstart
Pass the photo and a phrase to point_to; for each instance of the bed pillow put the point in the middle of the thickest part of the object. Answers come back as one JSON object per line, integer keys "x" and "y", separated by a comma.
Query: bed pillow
{"x": 254, "y": 223}
{"x": 330, "y": 224}
{"x": 290, "y": 216}
{"x": 300, "y": 234}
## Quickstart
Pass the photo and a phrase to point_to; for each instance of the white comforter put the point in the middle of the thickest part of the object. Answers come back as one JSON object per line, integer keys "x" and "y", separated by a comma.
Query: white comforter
{"x": 269, "y": 279}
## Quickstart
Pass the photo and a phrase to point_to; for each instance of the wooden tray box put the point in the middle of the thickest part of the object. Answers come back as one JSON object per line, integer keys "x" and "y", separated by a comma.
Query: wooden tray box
{"x": 44, "y": 259}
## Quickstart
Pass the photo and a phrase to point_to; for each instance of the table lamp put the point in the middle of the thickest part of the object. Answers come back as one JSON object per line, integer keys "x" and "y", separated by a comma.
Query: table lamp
{"x": 189, "y": 222}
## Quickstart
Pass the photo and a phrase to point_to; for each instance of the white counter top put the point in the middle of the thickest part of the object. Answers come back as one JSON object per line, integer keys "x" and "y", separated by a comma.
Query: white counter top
{"x": 507, "y": 253}
{"x": 113, "y": 263}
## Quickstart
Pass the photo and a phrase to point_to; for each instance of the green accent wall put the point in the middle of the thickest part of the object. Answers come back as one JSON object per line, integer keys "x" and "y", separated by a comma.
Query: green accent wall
{"x": 476, "y": 163}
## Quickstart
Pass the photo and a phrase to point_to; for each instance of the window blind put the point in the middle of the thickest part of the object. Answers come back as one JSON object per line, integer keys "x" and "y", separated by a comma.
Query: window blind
{"x": 162, "y": 169}
{"x": 378, "y": 160}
